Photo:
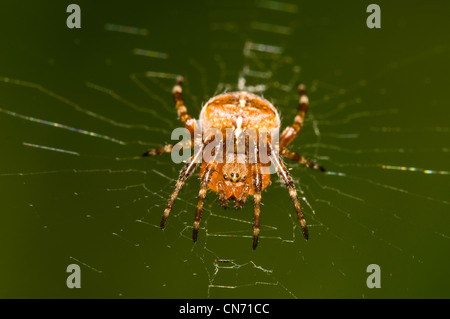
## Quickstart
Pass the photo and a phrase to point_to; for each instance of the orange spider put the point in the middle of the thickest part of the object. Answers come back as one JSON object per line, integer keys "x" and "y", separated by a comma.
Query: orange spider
{"x": 233, "y": 179}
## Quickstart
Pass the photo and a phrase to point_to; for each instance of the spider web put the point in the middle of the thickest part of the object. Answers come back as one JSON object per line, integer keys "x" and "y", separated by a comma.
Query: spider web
{"x": 77, "y": 190}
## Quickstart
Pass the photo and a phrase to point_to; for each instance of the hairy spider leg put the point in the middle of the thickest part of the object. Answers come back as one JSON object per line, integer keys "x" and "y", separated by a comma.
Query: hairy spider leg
{"x": 301, "y": 159}
{"x": 241, "y": 200}
{"x": 223, "y": 198}
{"x": 220, "y": 184}
{"x": 257, "y": 184}
{"x": 183, "y": 114}
{"x": 185, "y": 173}
{"x": 205, "y": 179}
{"x": 286, "y": 177}
{"x": 290, "y": 132}
{"x": 167, "y": 148}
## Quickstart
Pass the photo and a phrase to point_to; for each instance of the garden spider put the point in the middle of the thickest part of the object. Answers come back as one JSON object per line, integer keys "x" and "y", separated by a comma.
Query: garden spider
{"x": 234, "y": 180}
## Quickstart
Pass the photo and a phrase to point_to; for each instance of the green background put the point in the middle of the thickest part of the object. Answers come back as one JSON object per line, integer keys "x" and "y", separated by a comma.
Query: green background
{"x": 378, "y": 97}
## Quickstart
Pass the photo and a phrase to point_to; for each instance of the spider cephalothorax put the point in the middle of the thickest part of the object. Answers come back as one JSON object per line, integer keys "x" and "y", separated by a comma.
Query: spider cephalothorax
{"x": 231, "y": 173}
{"x": 234, "y": 181}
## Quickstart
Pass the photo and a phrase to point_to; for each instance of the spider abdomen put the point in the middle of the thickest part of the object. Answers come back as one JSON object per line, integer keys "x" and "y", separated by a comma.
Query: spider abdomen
{"x": 239, "y": 110}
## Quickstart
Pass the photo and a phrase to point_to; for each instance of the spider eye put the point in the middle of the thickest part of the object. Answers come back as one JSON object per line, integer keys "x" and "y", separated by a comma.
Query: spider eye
{"x": 234, "y": 177}
{"x": 225, "y": 176}
{"x": 243, "y": 178}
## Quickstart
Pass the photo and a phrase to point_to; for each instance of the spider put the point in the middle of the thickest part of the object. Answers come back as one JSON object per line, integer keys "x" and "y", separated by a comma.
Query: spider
{"x": 238, "y": 111}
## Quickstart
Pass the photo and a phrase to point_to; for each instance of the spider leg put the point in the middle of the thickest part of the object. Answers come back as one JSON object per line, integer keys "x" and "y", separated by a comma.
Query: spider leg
{"x": 167, "y": 148}
{"x": 205, "y": 179}
{"x": 185, "y": 173}
{"x": 290, "y": 132}
{"x": 286, "y": 177}
{"x": 241, "y": 200}
{"x": 301, "y": 159}
{"x": 183, "y": 114}
{"x": 257, "y": 183}
{"x": 223, "y": 198}
{"x": 188, "y": 121}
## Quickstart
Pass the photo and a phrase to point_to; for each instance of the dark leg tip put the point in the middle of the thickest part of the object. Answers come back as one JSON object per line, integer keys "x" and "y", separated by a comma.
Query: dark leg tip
{"x": 163, "y": 223}
{"x": 149, "y": 153}
{"x": 305, "y": 234}
{"x": 255, "y": 242}
{"x": 239, "y": 205}
{"x": 194, "y": 236}
{"x": 223, "y": 201}
{"x": 316, "y": 167}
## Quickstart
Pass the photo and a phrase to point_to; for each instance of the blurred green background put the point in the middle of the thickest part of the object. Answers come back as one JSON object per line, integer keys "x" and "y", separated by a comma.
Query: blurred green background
{"x": 79, "y": 193}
